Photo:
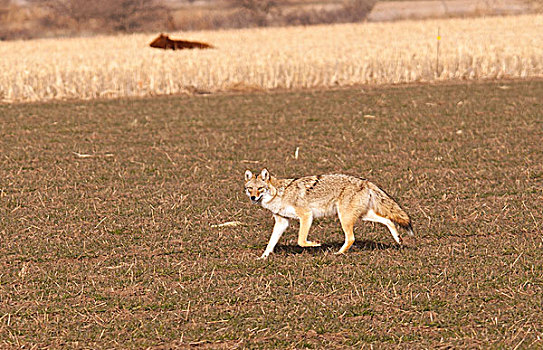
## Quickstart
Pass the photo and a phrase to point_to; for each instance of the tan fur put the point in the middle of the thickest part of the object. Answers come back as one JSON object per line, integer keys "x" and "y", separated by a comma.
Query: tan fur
{"x": 311, "y": 197}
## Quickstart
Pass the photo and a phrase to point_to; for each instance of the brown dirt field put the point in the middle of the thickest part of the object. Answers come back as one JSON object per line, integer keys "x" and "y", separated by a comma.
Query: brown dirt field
{"x": 106, "y": 210}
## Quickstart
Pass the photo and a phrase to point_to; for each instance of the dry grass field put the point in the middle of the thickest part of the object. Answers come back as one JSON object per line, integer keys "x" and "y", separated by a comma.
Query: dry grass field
{"x": 274, "y": 58}
{"x": 107, "y": 211}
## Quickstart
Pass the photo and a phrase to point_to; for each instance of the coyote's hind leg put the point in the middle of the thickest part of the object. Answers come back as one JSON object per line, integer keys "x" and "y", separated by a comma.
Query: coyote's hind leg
{"x": 372, "y": 216}
{"x": 347, "y": 224}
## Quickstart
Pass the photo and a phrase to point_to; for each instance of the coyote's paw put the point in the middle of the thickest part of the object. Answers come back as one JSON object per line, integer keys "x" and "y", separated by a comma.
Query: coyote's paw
{"x": 263, "y": 256}
{"x": 309, "y": 244}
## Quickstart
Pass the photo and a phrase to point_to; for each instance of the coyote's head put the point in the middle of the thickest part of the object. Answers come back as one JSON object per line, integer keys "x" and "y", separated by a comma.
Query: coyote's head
{"x": 257, "y": 187}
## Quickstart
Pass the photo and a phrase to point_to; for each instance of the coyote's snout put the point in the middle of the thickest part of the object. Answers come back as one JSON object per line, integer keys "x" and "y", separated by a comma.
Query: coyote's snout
{"x": 311, "y": 197}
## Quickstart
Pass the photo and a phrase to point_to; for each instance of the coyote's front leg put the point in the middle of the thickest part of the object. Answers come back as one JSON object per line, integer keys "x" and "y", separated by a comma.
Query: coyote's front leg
{"x": 306, "y": 219}
{"x": 280, "y": 226}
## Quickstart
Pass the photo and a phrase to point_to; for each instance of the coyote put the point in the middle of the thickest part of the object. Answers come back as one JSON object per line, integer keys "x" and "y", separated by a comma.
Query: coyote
{"x": 311, "y": 197}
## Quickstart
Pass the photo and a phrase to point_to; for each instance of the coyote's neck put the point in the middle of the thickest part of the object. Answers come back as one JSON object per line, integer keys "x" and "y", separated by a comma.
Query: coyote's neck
{"x": 275, "y": 194}
{"x": 274, "y": 200}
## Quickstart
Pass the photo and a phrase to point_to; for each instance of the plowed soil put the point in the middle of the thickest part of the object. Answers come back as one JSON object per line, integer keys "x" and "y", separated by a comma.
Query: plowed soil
{"x": 108, "y": 214}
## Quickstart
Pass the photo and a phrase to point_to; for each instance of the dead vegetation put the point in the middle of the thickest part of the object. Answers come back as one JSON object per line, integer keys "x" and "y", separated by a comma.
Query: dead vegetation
{"x": 274, "y": 58}
{"x": 51, "y": 18}
{"x": 270, "y": 13}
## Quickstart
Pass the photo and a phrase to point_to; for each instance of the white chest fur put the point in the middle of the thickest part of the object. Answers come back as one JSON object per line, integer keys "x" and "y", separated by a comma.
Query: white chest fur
{"x": 277, "y": 207}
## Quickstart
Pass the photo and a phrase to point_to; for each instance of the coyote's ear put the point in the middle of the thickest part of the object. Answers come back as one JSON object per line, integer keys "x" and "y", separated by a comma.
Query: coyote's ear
{"x": 248, "y": 175}
{"x": 265, "y": 174}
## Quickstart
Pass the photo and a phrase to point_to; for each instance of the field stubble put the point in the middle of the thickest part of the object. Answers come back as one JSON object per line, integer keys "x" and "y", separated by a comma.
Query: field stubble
{"x": 274, "y": 58}
{"x": 107, "y": 212}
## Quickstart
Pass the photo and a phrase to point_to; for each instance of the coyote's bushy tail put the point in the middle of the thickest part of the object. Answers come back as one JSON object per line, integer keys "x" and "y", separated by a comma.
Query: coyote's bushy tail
{"x": 384, "y": 205}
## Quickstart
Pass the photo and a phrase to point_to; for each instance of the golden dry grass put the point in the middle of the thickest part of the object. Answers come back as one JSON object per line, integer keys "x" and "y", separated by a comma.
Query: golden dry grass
{"x": 295, "y": 57}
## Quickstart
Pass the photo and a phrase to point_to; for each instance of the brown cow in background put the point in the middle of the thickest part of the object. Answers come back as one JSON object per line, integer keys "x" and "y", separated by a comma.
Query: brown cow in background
{"x": 163, "y": 41}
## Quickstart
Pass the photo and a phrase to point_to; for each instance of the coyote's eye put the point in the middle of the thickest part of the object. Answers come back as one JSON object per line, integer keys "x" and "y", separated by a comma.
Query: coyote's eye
{"x": 260, "y": 189}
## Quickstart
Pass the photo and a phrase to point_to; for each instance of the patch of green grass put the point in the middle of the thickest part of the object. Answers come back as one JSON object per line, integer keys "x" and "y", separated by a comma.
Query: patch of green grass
{"x": 117, "y": 249}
